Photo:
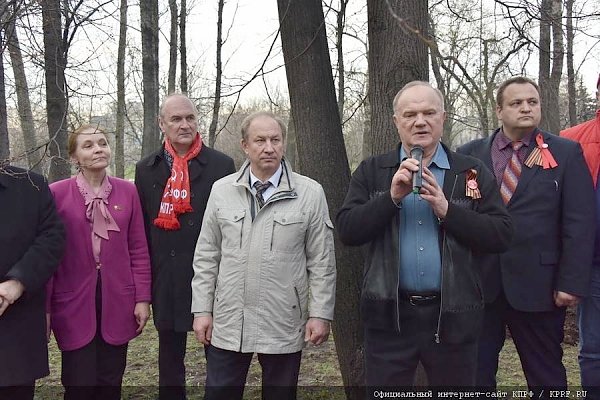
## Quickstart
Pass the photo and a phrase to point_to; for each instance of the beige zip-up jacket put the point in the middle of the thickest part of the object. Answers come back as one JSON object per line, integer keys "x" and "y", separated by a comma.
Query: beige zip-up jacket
{"x": 263, "y": 273}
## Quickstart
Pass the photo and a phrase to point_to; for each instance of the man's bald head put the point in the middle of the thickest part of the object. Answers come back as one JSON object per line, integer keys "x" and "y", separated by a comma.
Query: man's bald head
{"x": 169, "y": 98}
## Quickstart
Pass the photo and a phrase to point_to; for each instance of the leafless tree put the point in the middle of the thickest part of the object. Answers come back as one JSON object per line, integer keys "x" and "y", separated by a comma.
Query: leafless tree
{"x": 56, "y": 91}
{"x": 21, "y": 87}
{"x": 121, "y": 110}
{"x": 550, "y": 63}
{"x": 183, "y": 46}
{"x": 4, "y": 139}
{"x": 396, "y": 56}
{"x": 570, "y": 37}
{"x": 172, "y": 47}
{"x": 212, "y": 130}
{"x": 322, "y": 156}
{"x": 149, "y": 28}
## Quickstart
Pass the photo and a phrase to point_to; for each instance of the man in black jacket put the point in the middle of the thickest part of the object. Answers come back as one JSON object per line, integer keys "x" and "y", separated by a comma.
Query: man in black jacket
{"x": 31, "y": 245}
{"x": 189, "y": 168}
{"x": 421, "y": 297}
{"x": 548, "y": 191}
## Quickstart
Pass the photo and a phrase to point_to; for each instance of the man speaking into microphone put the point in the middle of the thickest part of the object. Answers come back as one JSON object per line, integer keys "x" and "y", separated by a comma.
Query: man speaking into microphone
{"x": 422, "y": 212}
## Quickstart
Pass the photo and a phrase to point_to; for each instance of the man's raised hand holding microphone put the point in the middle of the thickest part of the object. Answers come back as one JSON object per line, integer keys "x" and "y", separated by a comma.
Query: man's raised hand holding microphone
{"x": 417, "y": 126}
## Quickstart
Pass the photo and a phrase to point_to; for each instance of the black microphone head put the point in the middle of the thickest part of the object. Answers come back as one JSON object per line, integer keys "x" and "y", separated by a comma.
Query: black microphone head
{"x": 416, "y": 152}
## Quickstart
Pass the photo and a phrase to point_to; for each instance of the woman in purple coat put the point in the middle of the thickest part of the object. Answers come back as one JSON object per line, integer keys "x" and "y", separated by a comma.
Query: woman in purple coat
{"x": 98, "y": 299}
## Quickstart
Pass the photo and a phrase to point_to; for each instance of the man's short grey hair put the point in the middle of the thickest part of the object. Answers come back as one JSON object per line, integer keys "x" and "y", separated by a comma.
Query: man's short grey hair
{"x": 161, "y": 110}
{"x": 248, "y": 120}
{"x": 417, "y": 83}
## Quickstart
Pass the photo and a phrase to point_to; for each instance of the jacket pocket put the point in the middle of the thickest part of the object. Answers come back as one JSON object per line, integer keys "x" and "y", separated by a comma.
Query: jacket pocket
{"x": 231, "y": 222}
{"x": 298, "y": 302}
{"x": 289, "y": 231}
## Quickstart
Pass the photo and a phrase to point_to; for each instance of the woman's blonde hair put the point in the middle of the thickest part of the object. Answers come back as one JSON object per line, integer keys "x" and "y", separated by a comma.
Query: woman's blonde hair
{"x": 72, "y": 141}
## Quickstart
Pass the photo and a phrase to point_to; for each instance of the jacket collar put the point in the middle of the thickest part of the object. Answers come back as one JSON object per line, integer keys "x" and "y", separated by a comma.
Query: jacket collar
{"x": 286, "y": 184}
{"x": 156, "y": 159}
{"x": 457, "y": 163}
{"x": 8, "y": 173}
{"x": 484, "y": 153}
{"x": 3, "y": 178}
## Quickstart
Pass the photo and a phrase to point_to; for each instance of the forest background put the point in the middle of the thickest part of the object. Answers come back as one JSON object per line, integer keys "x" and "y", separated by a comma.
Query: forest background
{"x": 330, "y": 68}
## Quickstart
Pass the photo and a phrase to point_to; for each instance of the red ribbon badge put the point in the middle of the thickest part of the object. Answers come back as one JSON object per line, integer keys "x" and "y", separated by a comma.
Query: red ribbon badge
{"x": 541, "y": 155}
{"x": 472, "y": 187}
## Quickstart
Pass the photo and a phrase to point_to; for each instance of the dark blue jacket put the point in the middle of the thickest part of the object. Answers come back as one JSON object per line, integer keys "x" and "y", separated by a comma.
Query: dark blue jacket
{"x": 553, "y": 212}
{"x": 31, "y": 245}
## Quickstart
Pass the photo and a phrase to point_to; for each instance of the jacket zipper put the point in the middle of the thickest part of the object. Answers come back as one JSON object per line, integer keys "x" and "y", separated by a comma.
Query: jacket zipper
{"x": 437, "y": 332}
{"x": 298, "y": 301}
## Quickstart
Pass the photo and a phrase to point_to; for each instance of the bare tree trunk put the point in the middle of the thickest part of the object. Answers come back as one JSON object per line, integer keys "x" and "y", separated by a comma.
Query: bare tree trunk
{"x": 22, "y": 91}
{"x": 149, "y": 27}
{"x": 212, "y": 130}
{"x": 339, "y": 40}
{"x": 558, "y": 55}
{"x": 172, "y": 47}
{"x": 4, "y": 139}
{"x": 56, "y": 90}
{"x": 447, "y": 137}
{"x": 322, "y": 156}
{"x": 396, "y": 57}
{"x": 120, "y": 123}
{"x": 544, "y": 55}
{"x": 570, "y": 67}
{"x": 291, "y": 151}
{"x": 550, "y": 68}
{"x": 183, "y": 47}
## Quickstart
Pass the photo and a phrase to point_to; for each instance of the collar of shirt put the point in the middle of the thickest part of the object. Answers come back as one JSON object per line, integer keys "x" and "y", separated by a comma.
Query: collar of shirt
{"x": 274, "y": 179}
{"x": 440, "y": 157}
{"x": 503, "y": 141}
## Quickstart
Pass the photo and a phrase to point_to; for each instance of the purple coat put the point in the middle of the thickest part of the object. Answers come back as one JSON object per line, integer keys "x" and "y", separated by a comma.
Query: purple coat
{"x": 125, "y": 271}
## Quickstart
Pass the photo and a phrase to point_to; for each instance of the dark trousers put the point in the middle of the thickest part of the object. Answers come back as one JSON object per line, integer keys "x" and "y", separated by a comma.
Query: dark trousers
{"x": 226, "y": 373}
{"x": 94, "y": 371}
{"x": 391, "y": 358}
{"x": 537, "y": 336}
{"x": 21, "y": 392}
{"x": 171, "y": 364}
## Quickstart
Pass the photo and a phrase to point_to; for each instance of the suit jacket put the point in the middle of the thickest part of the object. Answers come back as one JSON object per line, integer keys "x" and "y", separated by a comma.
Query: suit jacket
{"x": 31, "y": 244}
{"x": 553, "y": 214}
{"x": 172, "y": 252}
{"x": 125, "y": 269}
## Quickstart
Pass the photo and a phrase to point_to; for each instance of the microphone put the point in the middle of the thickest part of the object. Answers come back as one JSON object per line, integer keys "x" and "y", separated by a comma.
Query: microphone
{"x": 417, "y": 177}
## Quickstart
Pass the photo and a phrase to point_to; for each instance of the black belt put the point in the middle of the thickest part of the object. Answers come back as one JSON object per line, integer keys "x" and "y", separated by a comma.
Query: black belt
{"x": 416, "y": 299}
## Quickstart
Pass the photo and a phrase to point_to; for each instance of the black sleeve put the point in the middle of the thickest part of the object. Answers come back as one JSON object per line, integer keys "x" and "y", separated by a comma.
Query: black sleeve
{"x": 139, "y": 184}
{"x": 230, "y": 166}
{"x": 361, "y": 217}
{"x": 42, "y": 257}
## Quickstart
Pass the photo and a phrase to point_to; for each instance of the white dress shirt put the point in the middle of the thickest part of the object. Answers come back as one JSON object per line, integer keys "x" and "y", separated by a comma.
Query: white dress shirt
{"x": 274, "y": 179}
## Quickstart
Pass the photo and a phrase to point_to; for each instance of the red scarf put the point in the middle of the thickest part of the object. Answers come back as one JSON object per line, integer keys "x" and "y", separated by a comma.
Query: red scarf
{"x": 176, "y": 197}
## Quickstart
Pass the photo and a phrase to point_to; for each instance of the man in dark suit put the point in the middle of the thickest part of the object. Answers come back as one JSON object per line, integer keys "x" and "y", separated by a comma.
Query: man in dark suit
{"x": 31, "y": 244}
{"x": 189, "y": 168}
{"x": 546, "y": 186}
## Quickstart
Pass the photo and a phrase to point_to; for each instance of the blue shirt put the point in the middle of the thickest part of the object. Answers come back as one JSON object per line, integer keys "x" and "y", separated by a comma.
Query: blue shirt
{"x": 419, "y": 246}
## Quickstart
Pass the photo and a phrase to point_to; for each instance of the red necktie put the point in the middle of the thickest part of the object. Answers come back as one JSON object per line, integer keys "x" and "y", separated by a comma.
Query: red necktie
{"x": 511, "y": 175}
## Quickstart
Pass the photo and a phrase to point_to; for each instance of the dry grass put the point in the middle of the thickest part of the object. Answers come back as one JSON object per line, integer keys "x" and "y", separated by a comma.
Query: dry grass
{"x": 319, "y": 371}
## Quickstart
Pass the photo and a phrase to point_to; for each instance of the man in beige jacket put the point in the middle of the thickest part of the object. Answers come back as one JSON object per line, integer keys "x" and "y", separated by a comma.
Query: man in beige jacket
{"x": 264, "y": 268}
